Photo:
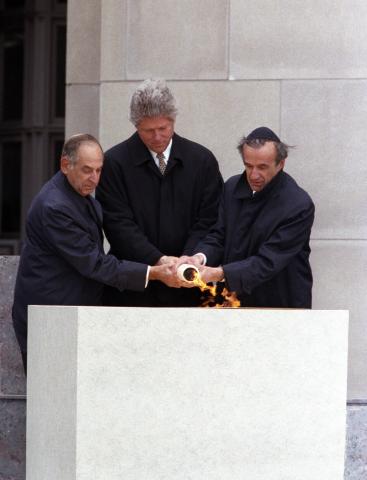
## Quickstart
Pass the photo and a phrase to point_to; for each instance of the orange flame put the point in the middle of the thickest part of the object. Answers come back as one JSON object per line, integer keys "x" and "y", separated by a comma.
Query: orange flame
{"x": 229, "y": 298}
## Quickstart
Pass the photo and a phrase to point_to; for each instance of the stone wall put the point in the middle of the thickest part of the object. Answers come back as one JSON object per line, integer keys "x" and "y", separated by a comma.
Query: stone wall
{"x": 12, "y": 382}
{"x": 298, "y": 67}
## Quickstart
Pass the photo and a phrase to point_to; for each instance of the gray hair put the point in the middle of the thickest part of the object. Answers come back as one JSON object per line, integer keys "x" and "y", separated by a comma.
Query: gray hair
{"x": 152, "y": 99}
{"x": 72, "y": 145}
{"x": 280, "y": 147}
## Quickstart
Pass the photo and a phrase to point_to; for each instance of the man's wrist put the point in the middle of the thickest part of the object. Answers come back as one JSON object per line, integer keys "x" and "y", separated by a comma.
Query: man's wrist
{"x": 219, "y": 274}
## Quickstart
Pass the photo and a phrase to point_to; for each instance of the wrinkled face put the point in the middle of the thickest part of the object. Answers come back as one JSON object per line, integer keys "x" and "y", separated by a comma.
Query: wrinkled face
{"x": 260, "y": 165}
{"x": 156, "y": 132}
{"x": 84, "y": 175}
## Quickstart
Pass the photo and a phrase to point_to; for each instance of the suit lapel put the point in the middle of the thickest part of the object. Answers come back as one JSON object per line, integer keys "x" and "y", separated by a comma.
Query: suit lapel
{"x": 95, "y": 210}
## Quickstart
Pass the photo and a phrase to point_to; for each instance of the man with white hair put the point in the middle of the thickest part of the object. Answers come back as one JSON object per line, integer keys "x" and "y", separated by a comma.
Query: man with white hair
{"x": 159, "y": 193}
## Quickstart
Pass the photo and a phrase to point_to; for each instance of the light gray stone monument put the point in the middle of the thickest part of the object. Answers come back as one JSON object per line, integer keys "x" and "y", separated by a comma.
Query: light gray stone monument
{"x": 178, "y": 394}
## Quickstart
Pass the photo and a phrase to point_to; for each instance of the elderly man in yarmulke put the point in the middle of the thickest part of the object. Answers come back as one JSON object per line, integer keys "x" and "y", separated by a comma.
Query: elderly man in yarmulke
{"x": 261, "y": 239}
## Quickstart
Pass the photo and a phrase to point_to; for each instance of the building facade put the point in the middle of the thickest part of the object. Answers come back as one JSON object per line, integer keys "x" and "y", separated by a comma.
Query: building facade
{"x": 298, "y": 67}
{"x": 32, "y": 96}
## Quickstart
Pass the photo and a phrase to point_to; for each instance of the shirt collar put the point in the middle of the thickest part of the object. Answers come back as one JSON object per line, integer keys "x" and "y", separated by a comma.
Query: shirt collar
{"x": 243, "y": 189}
{"x": 166, "y": 153}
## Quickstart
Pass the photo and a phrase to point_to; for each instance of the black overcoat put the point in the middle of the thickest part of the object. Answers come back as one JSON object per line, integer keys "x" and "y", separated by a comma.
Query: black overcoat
{"x": 62, "y": 260}
{"x": 147, "y": 215}
{"x": 262, "y": 241}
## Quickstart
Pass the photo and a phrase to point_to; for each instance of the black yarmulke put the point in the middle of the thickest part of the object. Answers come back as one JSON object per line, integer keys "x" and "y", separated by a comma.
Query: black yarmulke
{"x": 263, "y": 133}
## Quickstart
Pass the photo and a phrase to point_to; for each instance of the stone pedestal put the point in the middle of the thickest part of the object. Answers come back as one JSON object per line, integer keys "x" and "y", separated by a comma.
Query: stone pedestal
{"x": 178, "y": 394}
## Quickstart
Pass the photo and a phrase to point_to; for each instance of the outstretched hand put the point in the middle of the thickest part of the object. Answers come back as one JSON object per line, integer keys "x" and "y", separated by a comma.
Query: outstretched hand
{"x": 165, "y": 273}
{"x": 167, "y": 260}
{"x": 165, "y": 270}
{"x": 211, "y": 274}
{"x": 196, "y": 260}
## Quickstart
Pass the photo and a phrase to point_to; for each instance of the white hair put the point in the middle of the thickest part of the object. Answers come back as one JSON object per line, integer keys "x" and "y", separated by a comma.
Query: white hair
{"x": 152, "y": 99}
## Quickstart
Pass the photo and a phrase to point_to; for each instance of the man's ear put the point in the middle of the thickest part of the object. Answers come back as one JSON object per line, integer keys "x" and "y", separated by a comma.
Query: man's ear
{"x": 64, "y": 165}
{"x": 281, "y": 164}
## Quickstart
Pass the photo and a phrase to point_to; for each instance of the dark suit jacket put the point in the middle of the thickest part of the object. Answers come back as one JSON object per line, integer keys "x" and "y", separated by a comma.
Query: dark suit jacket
{"x": 147, "y": 215}
{"x": 62, "y": 261}
{"x": 262, "y": 241}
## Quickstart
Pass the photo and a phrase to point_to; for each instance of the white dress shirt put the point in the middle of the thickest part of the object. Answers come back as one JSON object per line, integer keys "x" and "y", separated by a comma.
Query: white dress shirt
{"x": 166, "y": 154}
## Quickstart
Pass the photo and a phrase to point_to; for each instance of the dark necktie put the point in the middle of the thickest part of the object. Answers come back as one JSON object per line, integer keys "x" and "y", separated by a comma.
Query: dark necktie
{"x": 162, "y": 163}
